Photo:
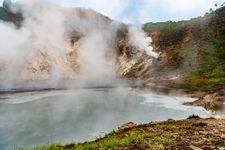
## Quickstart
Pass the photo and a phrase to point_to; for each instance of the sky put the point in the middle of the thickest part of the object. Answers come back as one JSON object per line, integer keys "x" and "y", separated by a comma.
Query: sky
{"x": 142, "y": 11}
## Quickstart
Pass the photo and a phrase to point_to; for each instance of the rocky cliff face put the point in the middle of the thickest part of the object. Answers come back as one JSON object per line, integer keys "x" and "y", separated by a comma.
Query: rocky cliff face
{"x": 132, "y": 63}
{"x": 40, "y": 66}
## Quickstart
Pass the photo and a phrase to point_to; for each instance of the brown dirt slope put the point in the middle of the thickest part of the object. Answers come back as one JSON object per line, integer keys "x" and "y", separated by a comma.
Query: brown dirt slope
{"x": 190, "y": 134}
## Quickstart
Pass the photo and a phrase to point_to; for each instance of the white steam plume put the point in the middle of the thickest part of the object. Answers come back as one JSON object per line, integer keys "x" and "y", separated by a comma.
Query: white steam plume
{"x": 49, "y": 33}
{"x": 139, "y": 39}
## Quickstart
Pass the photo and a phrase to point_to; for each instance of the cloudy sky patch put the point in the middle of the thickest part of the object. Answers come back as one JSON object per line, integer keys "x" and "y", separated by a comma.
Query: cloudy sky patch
{"x": 141, "y": 11}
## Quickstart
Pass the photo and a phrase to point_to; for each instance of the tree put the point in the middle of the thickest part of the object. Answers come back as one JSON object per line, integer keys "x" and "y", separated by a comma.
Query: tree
{"x": 210, "y": 10}
{"x": 216, "y": 5}
{"x": 223, "y": 4}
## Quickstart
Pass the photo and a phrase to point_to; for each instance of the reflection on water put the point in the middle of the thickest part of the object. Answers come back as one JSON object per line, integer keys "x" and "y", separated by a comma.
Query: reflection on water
{"x": 45, "y": 117}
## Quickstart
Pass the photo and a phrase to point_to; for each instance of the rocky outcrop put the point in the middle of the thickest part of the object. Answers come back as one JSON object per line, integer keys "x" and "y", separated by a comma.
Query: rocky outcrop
{"x": 214, "y": 102}
{"x": 39, "y": 67}
{"x": 132, "y": 63}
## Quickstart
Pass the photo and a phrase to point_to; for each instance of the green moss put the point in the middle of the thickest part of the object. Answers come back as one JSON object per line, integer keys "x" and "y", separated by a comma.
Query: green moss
{"x": 45, "y": 147}
{"x": 211, "y": 139}
{"x": 116, "y": 142}
{"x": 105, "y": 143}
{"x": 165, "y": 127}
{"x": 162, "y": 141}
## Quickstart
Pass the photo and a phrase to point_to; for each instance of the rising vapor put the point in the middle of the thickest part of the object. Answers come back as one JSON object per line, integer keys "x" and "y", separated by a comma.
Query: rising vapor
{"x": 55, "y": 43}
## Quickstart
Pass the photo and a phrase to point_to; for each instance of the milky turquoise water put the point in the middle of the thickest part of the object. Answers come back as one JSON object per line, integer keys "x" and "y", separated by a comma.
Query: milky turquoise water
{"x": 34, "y": 118}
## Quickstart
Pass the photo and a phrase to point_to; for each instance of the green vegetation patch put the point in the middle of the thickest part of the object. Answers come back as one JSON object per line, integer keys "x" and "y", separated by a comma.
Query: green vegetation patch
{"x": 168, "y": 27}
{"x": 165, "y": 127}
{"x": 207, "y": 80}
{"x": 159, "y": 138}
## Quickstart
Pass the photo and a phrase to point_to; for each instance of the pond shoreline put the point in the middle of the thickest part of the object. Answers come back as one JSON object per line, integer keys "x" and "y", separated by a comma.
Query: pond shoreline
{"x": 193, "y": 133}
{"x": 212, "y": 101}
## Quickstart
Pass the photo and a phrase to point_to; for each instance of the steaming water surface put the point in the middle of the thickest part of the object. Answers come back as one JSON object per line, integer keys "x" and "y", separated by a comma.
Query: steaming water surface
{"x": 77, "y": 115}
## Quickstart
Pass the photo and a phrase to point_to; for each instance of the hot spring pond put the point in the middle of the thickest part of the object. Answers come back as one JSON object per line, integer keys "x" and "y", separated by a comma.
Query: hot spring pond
{"x": 35, "y": 118}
